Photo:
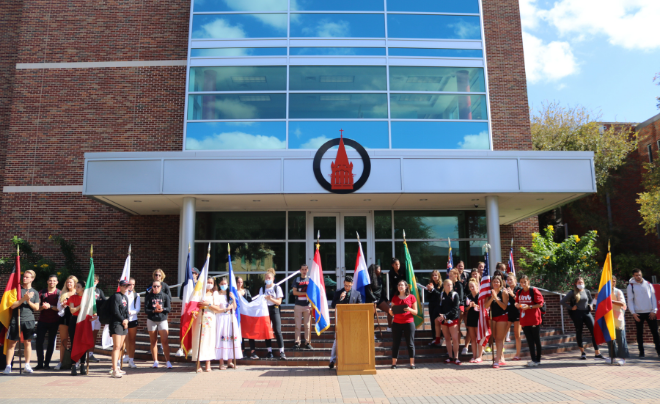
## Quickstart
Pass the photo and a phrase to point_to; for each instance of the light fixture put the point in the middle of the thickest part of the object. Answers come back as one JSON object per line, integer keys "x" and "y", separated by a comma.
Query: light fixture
{"x": 502, "y": 215}
{"x": 137, "y": 201}
{"x": 423, "y": 200}
{"x": 205, "y": 200}
{"x": 256, "y": 200}
{"x": 155, "y": 211}
{"x": 313, "y": 200}
{"x": 518, "y": 208}
{"x": 367, "y": 200}
{"x": 474, "y": 200}
{"x": 253, "y": 98}
{"x": 539, "y": 199}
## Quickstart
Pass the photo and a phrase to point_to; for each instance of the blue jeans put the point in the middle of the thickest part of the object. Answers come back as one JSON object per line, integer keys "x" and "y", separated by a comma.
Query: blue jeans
{"x": 619, "y": 345}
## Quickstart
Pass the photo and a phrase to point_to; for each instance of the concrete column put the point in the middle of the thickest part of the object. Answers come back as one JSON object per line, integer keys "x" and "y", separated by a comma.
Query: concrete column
{"x": 493, "y": 222}
{"x": 186, "y": 235}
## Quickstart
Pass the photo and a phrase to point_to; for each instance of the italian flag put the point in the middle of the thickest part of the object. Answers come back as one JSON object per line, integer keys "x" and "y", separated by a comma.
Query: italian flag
{"x": 84, "y": 338}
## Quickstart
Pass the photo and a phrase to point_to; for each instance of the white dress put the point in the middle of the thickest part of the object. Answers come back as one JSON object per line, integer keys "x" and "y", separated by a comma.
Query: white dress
{"x": 207, "y": 351}
{"x": 227, "y": 330}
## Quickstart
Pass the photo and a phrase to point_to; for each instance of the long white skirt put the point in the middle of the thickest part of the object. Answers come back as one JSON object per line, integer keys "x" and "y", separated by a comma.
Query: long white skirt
{"x": 224, "y": 349}
{"x": 209, "y": 329}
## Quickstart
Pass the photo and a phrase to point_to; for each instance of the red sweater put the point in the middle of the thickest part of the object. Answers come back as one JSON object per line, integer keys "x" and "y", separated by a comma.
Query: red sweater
{"x": 530, "y": 317}
{"x": 75, "y": 299}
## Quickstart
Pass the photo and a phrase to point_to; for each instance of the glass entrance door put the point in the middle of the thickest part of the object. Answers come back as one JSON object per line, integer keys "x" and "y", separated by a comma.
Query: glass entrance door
{"x": 339, "y": 234}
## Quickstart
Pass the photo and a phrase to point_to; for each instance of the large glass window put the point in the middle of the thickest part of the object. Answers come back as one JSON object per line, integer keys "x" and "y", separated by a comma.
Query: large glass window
{"x": 337, "y": 51}
{"x": 236, "y": 52}
{"x": 337, "y": 78}
{"x": 452, "y": 79}
{"x": 311, "y": 135}
{"x": 440, "y": 135}
{"x": 239, "y": 5}
{"x": 238, "y": 78}
{"x": 444, "y": 53}
{"x": 240, "y": 225}
{"x": 337, "y": 5}
{"x": 338, "y": 25}
{"x": 438, "y": 106}
{"x": 235, "y": 135}
{"x": 235, "y": 26}
{"x": 433, "y": 26}
{"x": 337, "y": 105}
{"x": 237, "y": 106}
{"x": 438, "y": 6}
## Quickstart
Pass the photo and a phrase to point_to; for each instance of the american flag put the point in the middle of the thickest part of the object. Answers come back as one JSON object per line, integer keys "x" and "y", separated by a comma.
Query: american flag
{"x": 450, "y": 258}
{"x": 512, "y": 268}
{"x": 483, "y": 331}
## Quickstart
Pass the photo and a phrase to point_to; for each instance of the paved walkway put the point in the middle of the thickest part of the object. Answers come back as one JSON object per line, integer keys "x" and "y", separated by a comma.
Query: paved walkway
{"x": 562, "y": 378}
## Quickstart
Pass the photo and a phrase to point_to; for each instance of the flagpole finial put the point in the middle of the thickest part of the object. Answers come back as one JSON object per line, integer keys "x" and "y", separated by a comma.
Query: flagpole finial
{"x": 486, "y": 247}
{"x": 358, "y": 235}
{"x": 130, "y": 249}
{"x": 209, "y": 250}
{"x": 188, "y": 248}
{"x": 511, "y": 242}
{"x": 18, "y": 249}
{"x": 608, "y": 245}
{"x": 404, "y": 235}
{"x": 91, "y": 251}
{"x": 228, "y": 249}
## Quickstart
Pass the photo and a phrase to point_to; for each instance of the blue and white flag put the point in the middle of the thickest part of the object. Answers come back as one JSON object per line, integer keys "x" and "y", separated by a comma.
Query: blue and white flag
{"x": 316, "y": 295}
{"x": 361, "y": 275}
{"x": 232, "y": 287}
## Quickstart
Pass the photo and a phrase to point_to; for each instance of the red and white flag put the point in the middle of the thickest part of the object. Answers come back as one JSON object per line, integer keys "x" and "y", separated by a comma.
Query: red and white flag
{"x": 483, "y": 331}
{"x": 126, "y": 273}
{"x": 191, "y": 305}
{"x": 83, "y": 341}
{"x": 255, "y": 321}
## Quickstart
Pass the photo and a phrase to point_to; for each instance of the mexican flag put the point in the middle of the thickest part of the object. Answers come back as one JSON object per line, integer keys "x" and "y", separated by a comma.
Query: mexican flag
{"x": 414, "y": 289}
{"x": 84, "y": 338}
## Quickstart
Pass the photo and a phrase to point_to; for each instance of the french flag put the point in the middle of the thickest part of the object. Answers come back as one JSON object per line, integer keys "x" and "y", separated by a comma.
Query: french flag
{"x": 512, "y": 267}
{"x": 255, "y": 321}
{"x": 316, "y": 295}
{"x": 361, "y": 275}
{"x": 191, "y": 305}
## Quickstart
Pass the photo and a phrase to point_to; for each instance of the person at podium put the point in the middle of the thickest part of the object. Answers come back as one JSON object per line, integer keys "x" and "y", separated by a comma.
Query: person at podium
{"x": 343, "y": 296}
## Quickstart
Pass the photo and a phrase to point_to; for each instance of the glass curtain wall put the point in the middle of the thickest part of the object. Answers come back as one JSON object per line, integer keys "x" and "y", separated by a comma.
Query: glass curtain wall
{"x": 281, "y": 74}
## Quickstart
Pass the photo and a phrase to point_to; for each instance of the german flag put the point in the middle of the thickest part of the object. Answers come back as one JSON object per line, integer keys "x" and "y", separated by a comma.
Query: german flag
{"x": 12, "y": 292}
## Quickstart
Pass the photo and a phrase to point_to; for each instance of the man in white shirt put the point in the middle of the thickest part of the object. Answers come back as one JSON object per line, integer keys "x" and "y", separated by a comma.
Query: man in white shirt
{"x": 644, "y": 307}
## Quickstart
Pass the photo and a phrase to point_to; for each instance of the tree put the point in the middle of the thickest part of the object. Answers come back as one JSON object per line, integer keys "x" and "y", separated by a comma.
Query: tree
{"x": 559, "y": 128}
{"x": 649, "y": 200}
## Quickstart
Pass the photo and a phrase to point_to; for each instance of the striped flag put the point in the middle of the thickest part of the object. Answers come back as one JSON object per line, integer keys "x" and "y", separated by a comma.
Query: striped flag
{"x": 84, "y": 338}
{"x": 11, "y": 295}
{"x": 232, "y": 287}
{"x": 191, "y": 306}
{"x": 483, "y": 331}
{"x": 414, "y": 288}
{"x": 604, "y": 325}
{"x": 450, "y": 258}
{"x": 512, "y": 268}
{"x": 361, "y": 275}
{"x": 316, "y": 295}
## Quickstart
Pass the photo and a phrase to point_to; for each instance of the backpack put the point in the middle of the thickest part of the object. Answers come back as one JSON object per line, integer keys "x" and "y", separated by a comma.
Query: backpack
{"x": 104, "y": 311}
{"x": 543, "y": 308}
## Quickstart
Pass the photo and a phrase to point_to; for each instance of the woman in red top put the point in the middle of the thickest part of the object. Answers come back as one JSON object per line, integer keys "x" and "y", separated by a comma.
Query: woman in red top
{"x": 73, "y": 302}
{"x": 529, "y": 301}
{"x": 404, "y": 323}
{"x": 497, "y": 302}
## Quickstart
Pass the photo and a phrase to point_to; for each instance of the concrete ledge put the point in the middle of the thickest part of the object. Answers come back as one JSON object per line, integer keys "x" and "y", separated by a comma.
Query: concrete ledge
{"x": 99, "y": 65}
{"x": 43, "y": 188}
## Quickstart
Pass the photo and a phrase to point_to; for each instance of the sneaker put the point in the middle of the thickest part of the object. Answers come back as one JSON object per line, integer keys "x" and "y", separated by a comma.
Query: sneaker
{"x": 168, "y": 365}
{"x": 46, "y": 367}
{"x": 583, "y": 356}
{"x": 28, "y": 369}
{"x": 160, "y": 350}
{"x": 296, "y": 346}
{"x": 464, "y": 351}
{"x": 83, "y": 370}
{"x": 121, "y": 372}
{"x": 457, "y": 361}
{"x": 641, "y": 355}
{"x": 599, "y": 356}
{"x": 254, "y": 356}
{"x": 132, "y": 364}
{"x": 531, "y": 364}
{"x": 393, "y": 366}
{"x": 309, "y": 346}
{"x": 537, "y": 363}
{"x": 179, "y": 353}
{"x": 331, "y": 365}
{"x": 282, "y": 356}
{"x": 73, "y": 371}
{"x": 7, "y": 370}
{"x": 621, "y": 362}
{"x": 155, "y": 366}
{"x": 269, "y": 355}
{"x": 39, "y": 367}
{"x": 388, "y": 329}
{"x": 412, "y": 367}
{"x": 508, "y": 340}
{"x": 126, "y": 358}
{"x": 115, "y": 375}
{"x": 94, "y": 358}
{"x": 58, "y": 366}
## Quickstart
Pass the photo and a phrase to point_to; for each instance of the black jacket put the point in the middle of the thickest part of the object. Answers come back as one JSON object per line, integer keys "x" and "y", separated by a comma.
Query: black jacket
{"x": 119, "y": 307}
{"x": 460, "y": 289}
{"x": 98, "y": 294}
{"x": 164, "y": 288}
{"x": 165, "y": 302}
{"x": 449, "y": 305}
{"x": 394, "y": 279}
{"x": 434, "y": 300}
{"x": 247, "y": 295}
{"x": 353, "y": 297}
{"x": 375, "y": 290}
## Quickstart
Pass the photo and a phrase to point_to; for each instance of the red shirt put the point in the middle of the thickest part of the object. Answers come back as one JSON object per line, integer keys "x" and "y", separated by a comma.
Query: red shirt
{"x": 530, "y": 317}
{"x": 75, "y": 299}
{"x": 405, "y": 317}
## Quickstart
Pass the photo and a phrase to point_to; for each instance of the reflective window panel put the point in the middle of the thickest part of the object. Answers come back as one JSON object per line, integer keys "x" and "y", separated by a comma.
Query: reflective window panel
{"x": 235, "y": 135}
{"x": 237, "y": 52}
{"x": 383, "y": 223}
{"x": 453, "y": 79}
{"x": 434, "y": 6}
{"x": 334, "y": 78}
{"x": 438, "y": 53}
{"x": 223, "y": 26}
{"x": 433, "y": 26}
{"x": 352, "y": 106}
{"x": 438, "y": 106}
{"x": 338, "y": 25}
{"x": 297, "y": 225}
{"x": 338, "y": 51}
{"x": 337, "y": 5}
{"x": 239, "y": 226}
{"x": 238, "y": 78}
{"x": 440, "y": 135}
{"x": 311, "y": 135}
{"x": 239, "y": 5}
{"x": 426, "y": 224}
{"x": 237, "y": 106}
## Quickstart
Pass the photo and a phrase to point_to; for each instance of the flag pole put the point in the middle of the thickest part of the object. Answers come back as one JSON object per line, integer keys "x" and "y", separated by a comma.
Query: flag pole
{"x": 490, "y": 337}
{"x": 201, "y": 320}
{"x": 91, "y": 255}
{"x": 231, "y": 311}
{"x": 20, "y": 353}
{"x": 610, "y": 344}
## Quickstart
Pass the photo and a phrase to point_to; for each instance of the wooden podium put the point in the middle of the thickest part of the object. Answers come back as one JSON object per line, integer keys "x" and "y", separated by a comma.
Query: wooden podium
{"x": 356, "y": 353}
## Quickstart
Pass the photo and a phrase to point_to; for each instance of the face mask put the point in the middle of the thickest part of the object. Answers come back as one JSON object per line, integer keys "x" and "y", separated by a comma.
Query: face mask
{"x": 223, "y": 287}
{"x": 269, "y": 282}
{"x": 580, "y": 287}
{"x": 209, "y": 286}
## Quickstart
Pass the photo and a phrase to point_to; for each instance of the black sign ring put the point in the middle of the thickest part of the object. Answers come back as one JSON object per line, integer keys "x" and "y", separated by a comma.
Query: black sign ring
{"x": 365, "y": 160}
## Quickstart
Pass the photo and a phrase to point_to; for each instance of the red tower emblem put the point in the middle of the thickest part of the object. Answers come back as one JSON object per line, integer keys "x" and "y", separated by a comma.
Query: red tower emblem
{"x": 342, "y": 169}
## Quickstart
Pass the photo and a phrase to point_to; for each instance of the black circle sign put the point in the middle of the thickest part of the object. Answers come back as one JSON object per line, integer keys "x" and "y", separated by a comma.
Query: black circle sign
{"x": 361, "y": 151}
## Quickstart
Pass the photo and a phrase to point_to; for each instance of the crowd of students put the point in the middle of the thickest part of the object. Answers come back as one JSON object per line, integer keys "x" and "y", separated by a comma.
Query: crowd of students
{"x": 511, "y": 302}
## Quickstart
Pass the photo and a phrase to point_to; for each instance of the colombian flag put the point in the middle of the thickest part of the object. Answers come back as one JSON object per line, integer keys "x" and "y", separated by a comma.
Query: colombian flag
{"x": 604, "y": 327}
{"x": 12, "y": 291}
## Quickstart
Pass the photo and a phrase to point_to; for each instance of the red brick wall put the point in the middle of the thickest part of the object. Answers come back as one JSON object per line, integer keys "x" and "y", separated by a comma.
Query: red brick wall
{"x": 521, "y": 232}
{"x": 506, "y": 75}
{"x": 649, "y": 134}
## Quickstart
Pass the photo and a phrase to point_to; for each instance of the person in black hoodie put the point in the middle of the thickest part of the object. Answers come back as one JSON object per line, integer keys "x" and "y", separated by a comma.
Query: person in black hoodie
{"x": 449, "y": 319}
{"x": 434, "y": 289}
{"x": 395, "y": 276}
{"x": 157, "y": 306}
{"x": 99, "y": 296}
{"x": 119, "y": 326}
{"x": 374, "y": 291}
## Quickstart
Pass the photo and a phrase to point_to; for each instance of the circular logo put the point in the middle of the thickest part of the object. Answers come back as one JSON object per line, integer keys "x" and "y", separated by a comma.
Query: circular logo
{"x": 341, "y": 178}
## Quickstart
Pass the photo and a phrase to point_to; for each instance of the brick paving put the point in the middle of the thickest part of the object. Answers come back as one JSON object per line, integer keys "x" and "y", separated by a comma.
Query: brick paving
{"x": 562, "y": 378}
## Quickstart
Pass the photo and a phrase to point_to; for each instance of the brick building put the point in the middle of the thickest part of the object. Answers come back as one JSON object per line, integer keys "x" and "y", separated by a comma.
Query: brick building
{"x": 119, "y": 124}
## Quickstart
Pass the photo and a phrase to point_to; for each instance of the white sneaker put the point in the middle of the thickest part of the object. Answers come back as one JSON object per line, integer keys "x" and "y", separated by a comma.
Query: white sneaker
{"x": 7, "y": 370}
{"x": 131, "y": 363}
{"x": 388, "y": 329}
{"x": 28, "y": 369}
{"x": 155, "y": 366}
{"x": 464, "y": 351}
{"x": 169, "y": 365}
{"x": 537, "y": 363}
{"x": 115, "y": 375}
{"x": 179, "y": 353}
{"x": 58, "y": 366}
{"x": 78, "y": 365}
{"x": 531, "y": 364}
{"x": 126, "y": 359}
{"x": 621, "y": 362}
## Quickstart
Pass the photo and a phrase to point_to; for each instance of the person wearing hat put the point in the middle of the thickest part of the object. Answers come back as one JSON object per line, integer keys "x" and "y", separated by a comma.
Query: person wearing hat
{"x": 343, "y": 296}
{"x": 119, "y": 326}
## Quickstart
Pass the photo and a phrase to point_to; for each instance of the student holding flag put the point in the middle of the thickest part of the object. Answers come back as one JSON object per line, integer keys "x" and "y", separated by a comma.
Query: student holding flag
{"x": 395, "y": 276}
{"x": 25, "y": 308}
{"x": 204, "y": 348}
{"x": 228, "y": 338}
{"x": 273, "y": 295}
{"x": 619, "y": 348}
{"x": 578, "y": 302}
{"x": 119, "y": 325}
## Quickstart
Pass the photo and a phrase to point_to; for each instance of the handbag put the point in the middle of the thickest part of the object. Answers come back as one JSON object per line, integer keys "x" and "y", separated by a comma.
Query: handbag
{"x": 65, "y": 360}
